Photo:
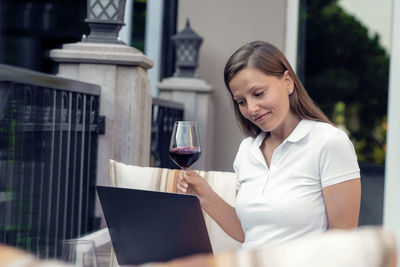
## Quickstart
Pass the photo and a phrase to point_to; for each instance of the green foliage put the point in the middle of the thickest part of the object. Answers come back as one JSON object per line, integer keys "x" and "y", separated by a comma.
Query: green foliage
{"x": 343, "y": 64}
{"x": 139, "y": 24}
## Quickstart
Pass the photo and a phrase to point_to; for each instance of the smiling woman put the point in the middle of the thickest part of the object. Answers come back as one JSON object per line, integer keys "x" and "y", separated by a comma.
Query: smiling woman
{"x": 297, "y": 174}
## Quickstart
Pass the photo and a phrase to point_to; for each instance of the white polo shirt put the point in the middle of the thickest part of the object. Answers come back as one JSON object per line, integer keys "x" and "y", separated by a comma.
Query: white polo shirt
{"x": 285, "y": 201}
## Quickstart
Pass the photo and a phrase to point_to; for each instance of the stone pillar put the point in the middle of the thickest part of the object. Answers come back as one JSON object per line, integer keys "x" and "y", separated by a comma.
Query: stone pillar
{"x": 125, "y": 98}
{"x": 196, "y": 96}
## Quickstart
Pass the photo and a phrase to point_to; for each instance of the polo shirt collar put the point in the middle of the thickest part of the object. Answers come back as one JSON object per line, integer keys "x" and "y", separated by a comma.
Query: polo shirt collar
{"x": 259, "y": 139}
{"x": 301, "y": 130}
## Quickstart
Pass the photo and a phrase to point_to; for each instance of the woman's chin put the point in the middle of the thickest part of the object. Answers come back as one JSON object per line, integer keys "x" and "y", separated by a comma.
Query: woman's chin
{"x": 265, "y": 127}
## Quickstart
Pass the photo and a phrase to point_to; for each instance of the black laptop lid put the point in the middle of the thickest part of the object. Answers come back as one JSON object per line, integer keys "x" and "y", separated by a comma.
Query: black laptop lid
{"x": 148, "y": 226}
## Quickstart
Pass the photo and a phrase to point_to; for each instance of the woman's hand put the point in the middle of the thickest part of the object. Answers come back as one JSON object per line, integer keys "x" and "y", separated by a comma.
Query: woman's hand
{"x": 190, "y": 182}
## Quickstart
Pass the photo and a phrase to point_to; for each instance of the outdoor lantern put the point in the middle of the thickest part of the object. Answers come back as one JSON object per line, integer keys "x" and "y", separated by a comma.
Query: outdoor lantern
{"x": 187, "y": 44}
{"x": 105, "y": 18}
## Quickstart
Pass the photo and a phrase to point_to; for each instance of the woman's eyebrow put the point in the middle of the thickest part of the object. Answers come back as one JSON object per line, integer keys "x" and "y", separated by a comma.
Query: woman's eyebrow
{"x": 255, "y": 87}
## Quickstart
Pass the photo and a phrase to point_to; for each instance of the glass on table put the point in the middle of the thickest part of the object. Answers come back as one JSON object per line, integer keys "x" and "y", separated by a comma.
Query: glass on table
{"x": 79, "y": 253}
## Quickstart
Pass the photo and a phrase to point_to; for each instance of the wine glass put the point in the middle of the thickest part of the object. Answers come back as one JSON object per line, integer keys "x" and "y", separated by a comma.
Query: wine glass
{"x": 79, "y": 253}
{"x": 184, "y": 148}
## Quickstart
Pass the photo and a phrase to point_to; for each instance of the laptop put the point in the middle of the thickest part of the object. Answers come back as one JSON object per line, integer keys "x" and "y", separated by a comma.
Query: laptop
{"x": 148, "y": 226}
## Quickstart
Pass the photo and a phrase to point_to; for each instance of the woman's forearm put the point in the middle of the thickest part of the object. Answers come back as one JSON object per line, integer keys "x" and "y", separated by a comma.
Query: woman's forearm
{"x": 225, "y": 215}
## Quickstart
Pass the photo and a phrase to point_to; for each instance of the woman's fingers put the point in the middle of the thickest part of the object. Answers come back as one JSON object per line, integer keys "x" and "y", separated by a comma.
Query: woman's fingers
{"x": 182, "y": 186}
{"x": 190, "y": 173}
{"x": 189, "y": 182}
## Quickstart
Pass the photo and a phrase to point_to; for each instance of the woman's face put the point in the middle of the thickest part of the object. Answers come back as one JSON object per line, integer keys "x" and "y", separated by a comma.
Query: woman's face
{"x": 261, "y": 98}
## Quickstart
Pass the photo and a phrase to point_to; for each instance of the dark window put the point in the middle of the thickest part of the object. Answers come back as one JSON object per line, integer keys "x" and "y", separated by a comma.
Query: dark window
{"x": 30, "y": 28}
{"x": 139, "y": 24}
{"x": 169, "y": 29}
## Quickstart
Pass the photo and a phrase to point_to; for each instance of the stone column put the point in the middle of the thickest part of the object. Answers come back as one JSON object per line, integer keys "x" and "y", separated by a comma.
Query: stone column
{"x": 196, "y": 96}
{"x": 125, "y": 98}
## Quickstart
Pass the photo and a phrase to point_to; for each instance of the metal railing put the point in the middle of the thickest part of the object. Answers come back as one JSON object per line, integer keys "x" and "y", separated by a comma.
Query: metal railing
{"x": 164, "y": 114}
{"x": 48, "y": 154}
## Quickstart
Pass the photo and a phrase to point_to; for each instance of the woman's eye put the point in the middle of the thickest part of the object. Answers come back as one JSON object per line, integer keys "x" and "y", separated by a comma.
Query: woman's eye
{"x": 259, "y": 93}
{"x": 240, "y": 102}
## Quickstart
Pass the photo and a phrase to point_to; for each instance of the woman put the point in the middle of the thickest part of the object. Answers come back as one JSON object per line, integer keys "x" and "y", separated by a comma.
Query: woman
{"x": 297, "y": 174}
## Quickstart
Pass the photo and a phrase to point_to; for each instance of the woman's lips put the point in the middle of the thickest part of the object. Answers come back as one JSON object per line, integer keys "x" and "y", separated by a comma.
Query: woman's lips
{"x": 261, "y": 117}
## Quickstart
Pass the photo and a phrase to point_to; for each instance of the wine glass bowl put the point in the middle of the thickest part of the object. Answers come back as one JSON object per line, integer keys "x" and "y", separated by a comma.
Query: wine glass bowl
{"x": 184, "y": 148}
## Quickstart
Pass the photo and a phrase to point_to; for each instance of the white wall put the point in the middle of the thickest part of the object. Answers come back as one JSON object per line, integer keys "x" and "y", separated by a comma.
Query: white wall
{"x": 391, "y": 214}
{"x": 225, "y": 25}
{"x": 153, "y": 40}
{"x": 292, "y": 26}
{"x": 125, "y": 33}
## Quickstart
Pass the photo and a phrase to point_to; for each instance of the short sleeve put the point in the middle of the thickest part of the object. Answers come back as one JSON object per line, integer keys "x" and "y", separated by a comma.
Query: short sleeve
{"x": 236, "y": 162}
{"x": 338, "y": 160}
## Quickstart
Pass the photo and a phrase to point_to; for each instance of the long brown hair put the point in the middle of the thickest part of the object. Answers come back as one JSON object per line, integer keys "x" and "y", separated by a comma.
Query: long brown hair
{"x": 270, "y": 60}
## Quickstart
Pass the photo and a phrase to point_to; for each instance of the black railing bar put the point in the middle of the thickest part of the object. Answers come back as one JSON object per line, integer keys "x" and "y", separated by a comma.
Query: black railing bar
{"x": 167, "y": 103}
{"x": 20, "y": 188}
{"x": 17, "y": 201}
{"x": 48, "y": 221}
{"x": 67, "y": 166}
{"x": 15, "y": 183}
{"x": 20, "y": 75}
{"x": 81, "y": 167}
{"x": 164, "y": 128}
{"x": 59, "y": 164}
{"x": 25, "y": 165}
{"x": 9, "y": 184}
{"x": 39, "y": 193}
{"x": 32, "y": 184}
{"x": 86, "y": 219}
{"x": 74, "y": 171}
{"x": 42, "y": 166}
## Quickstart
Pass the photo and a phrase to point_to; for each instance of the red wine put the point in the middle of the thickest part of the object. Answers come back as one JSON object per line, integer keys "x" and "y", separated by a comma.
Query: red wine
{"x": 184, "y": 157}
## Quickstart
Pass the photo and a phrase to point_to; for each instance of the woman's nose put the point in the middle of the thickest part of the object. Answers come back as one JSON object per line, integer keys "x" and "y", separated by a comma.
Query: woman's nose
{"x": 252, "y": 107}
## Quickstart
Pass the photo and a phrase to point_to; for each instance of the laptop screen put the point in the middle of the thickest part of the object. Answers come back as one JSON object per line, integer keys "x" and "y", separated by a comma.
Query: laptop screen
{"x": 149, "y": 226}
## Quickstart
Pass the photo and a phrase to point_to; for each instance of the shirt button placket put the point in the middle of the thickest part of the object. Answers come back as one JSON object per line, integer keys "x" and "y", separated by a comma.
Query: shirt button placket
{"x": 271, "y": 167}
{"x": 274, "y": 159}
{"x": 266, "y": 181}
